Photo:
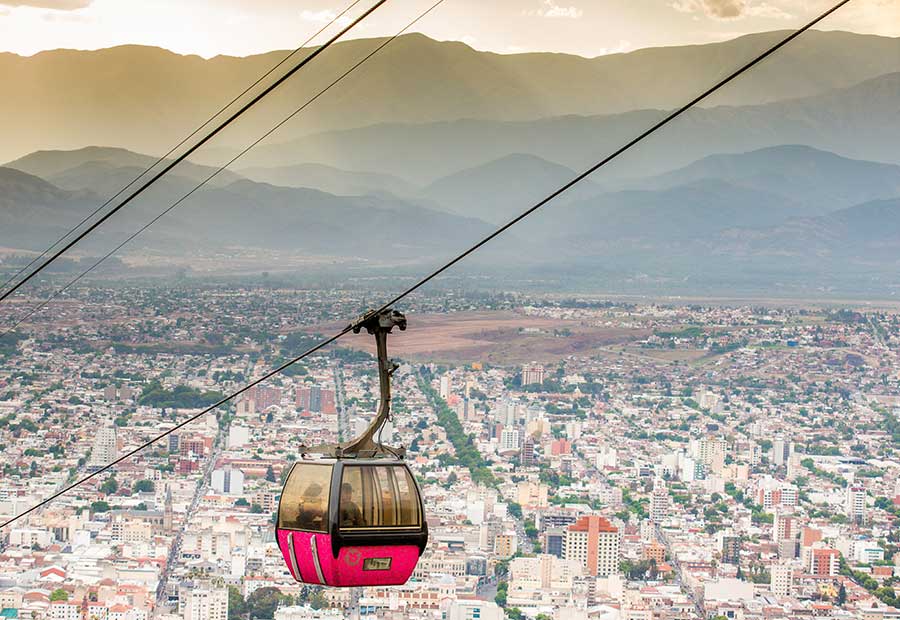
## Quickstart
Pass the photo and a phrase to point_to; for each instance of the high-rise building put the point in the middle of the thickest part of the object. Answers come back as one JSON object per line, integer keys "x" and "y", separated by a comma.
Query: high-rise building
{"x": 532, "y": 373}
{"x": 607, "y": 457}
{"x": 785, "y": 526}
{"x": 710, "y": 452}
{"x": 824, "y": 561}
{"x": 553, "y": 541}
{"x": 527, "y": 457}
{"x": 654, "y": 551}
{"x": 855, "y": 504}
{"x": 315, "y": 399}
{"x": 445, "y": 387}
{"x": 593, "y": 542}
{"x": 788, "y": 548}
{"x": 465, "y": 409}
{"x": 731, "y": 549}
{"x": 771, "y": 493}
{"x": 781, "y": 451}
{"x": 782, "y": 581}
{"x": 228, "y": 481}
{"x": 509, "y": 440}
{"x": 259, "y": 398}
{"x": 659, "y": 501}
{"x": 105, "y": 448}
{"x": 506, "y": 544}
{"x": 203, "y": 604}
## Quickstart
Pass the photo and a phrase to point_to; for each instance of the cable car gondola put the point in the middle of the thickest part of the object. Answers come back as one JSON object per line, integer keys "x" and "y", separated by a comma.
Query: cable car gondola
{"x": 352, "y": 514}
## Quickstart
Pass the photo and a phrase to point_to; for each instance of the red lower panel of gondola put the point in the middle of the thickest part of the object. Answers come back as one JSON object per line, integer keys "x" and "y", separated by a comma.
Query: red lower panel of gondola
{"x": 313, "y": 562}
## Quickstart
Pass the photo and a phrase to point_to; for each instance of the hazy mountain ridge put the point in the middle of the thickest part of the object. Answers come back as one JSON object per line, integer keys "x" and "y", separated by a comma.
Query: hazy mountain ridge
{"x": 96, "y": 161}
{"x": 34, "y": 213}
{"x": 820, "y": 179}
{"x": 330, "y": 179}
{"x": 868, "y": 232}
{"x": 861, "y": 122}
{"x": 147, "y": 99}
{"x": 501, "y": 189}
{"x": 720, "y": 206}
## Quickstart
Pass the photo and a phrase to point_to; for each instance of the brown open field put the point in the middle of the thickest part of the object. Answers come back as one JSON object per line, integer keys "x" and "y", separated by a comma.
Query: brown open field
{"x": 492, "y": 337}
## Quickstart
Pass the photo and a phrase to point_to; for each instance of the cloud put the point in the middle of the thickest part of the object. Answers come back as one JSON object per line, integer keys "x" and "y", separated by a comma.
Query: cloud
{"x": 550, "y": 9}
{"x": 717, "y": 9}
{"x": 730, "y": 9}
{"x": 768, "y": 11}
{"x": 320, "y": 17}
{"x": 56, "y": 5}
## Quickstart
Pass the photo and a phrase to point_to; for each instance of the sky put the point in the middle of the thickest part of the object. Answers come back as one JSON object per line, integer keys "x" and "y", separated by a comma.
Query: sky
{"x": 585, "y": 27}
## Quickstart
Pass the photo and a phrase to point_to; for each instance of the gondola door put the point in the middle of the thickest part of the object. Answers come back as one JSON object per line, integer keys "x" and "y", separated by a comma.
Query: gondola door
{"x": 303, "y": 521}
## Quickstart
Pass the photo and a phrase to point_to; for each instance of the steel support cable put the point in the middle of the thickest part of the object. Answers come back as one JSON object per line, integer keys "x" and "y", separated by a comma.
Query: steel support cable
{"x": 179, "y": 145}
{"x": 209, "y": 136}
{"x": 669, "y": 118}
{"x": 202, "y": 183}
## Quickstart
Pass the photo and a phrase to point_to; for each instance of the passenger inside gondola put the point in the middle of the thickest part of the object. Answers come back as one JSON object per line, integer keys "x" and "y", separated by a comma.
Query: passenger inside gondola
{"x": 311, "y": 514}
{"x": 351, "y": 515}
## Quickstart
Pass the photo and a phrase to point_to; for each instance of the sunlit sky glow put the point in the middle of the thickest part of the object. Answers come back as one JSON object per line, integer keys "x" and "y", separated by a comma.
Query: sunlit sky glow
{"x": 586, "y": 27}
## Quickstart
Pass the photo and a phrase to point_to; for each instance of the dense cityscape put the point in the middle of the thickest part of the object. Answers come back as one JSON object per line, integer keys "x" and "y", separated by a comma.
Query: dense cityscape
{"x": 578, "y": 458}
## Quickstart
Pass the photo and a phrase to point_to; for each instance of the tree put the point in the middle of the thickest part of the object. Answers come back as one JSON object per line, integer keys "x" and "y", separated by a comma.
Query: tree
{"x": 263, "y": 603}
{"x": 99, "y": 506}
{"x": 256, "y": 509}
{"x": 842, "y": 595}
{"x": 109, "y": 486}
{"x": 237, "y": 606}
{"x": 270, "y": 474}
{"x": 144, "y": 486}
{"x": 502, "y": 589}
{"x": 59, "y": 595}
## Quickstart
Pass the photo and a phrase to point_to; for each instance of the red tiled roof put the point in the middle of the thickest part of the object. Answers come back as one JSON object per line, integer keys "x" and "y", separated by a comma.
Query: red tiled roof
{"x": 584, "y": 523}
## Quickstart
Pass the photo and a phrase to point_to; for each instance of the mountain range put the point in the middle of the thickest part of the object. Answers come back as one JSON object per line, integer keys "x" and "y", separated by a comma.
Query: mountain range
{"x": 240, "y": 215}
{"x": 861, "y": 122}
{"x": 779, "y": 206}
{"x": 147, "y": 99}
{"x": 796, "y": 181}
